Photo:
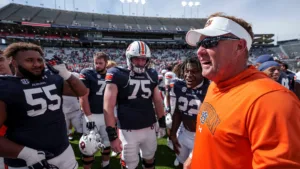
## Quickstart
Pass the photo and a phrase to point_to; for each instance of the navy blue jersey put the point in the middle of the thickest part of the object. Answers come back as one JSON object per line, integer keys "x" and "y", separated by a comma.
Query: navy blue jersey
{"x": 135, "y": 93}
{"x": 284, "y": 80}
{"x": 34, "y": 114}
{"x": 188, "y": 101}
{"x": 291, "y": 77}
{"x": 95, "y": 82}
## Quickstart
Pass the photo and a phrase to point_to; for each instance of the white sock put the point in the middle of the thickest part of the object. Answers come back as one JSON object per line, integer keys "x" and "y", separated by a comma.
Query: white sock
{"x": 105, "y": 163}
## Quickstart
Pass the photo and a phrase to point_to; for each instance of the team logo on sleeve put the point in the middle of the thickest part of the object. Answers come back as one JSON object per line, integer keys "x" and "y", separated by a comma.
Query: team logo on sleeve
{"x": 109, "y": 76}
{"x": 203, "y": 117}
{"x": 25, "y": 81}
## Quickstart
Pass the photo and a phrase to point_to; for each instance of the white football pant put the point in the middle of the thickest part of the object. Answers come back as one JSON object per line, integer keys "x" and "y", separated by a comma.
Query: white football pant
{"x": 75, "y": 118}
{"x": 66, "y": 160}
{"x": 135, "y": 141}
{"x": 186, "y": 140}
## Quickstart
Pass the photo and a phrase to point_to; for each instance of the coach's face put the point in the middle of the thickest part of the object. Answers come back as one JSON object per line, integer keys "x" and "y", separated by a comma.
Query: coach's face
{"x": 218, "y": 62}
{"x": 29, "y": 63}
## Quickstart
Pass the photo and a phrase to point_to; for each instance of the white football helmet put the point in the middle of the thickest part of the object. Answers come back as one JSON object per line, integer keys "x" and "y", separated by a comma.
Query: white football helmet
{"x": 90, "y": 143}
{"x": 138, "y": 49}
{"x": 169, "y": 76}
{"x": 163, "y": 72}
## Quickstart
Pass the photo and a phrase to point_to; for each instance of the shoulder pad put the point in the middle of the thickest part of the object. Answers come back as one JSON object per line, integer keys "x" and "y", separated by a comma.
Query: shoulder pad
{"x": 86, "y": 70}
{"x": 8, "y": 77}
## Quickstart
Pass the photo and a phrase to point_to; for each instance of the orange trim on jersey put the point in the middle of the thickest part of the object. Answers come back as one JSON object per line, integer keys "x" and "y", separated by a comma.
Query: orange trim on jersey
{"x": 142, "y": 50}
{"x": 109, "y": 77}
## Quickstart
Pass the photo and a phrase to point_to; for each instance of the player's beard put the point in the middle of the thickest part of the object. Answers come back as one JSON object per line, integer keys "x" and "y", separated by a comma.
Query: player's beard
{"x": 103, "y": 71}
{"x": 30, "y": 75}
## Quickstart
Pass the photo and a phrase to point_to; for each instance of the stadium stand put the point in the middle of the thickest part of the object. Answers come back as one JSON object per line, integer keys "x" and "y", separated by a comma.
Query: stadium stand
{"x": 63, "y": 33}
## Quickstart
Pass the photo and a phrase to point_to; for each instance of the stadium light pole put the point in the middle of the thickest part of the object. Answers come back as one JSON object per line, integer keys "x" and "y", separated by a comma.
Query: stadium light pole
{"x": 197, "y": 4}
{"x": 129, "y": 4}
{"x": 73, "y": 4}
{"x": 55, "y": 3}
{"x": 65, "y": 4}
{"x": 143, "y": 3}
{"x": 136, "y": 3}
{"x": 191, "y": 4}
{"x": 184, "y": 3}
{"x": 122, "y": 1}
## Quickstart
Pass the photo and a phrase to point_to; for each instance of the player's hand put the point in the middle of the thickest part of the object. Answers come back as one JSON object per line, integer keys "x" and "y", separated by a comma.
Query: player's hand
{"x": 90, "y": 125}
{"x": 56, "y": 65}
{"x": 176, "y": 144}
{"x": 187, "y": 163}
{"x": 116, "y": 145}
{"x": 31, "y": 156}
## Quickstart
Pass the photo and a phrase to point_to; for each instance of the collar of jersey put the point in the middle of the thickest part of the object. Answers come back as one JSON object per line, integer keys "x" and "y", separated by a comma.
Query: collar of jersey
{"x": 199, "y": 85}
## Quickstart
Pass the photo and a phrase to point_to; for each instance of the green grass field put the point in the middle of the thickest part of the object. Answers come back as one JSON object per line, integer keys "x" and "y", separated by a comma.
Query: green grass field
{"x": 164, "y": 156}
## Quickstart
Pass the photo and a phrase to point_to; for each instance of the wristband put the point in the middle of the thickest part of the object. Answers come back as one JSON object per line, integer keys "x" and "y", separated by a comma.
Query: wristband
{"x": 112, "y": 133}
{"x": 162, "y": 122}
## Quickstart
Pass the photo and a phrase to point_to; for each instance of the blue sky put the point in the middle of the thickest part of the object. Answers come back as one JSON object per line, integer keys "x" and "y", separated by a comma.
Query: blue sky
{"x": 281, "y": 17}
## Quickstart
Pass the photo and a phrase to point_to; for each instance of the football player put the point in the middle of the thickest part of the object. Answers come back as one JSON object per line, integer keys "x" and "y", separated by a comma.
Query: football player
{"x": 73, "y": 114}
{"x": 189, "y": 93}
{"x": 288, "y": 75}
{"x": 135, "y": 91}
{"x": 4, "y": 70}
{"x": 92, "y": 105}
{"x": 31, "y": 108}
{"x": 272, "y": 69}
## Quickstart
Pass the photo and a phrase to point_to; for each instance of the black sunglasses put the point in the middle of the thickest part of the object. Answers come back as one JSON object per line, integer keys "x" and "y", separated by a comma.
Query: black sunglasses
{"x": 210, "y": 42}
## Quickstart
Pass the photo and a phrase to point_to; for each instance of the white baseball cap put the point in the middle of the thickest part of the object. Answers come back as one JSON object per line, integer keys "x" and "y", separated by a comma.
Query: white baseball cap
{"x": 217, "y": 26}
{"x": 297, "y": 77}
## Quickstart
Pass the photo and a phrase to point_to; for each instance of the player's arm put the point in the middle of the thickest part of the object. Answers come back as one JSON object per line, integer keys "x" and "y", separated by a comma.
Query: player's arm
{"x": 110, "y": 97}
{"x": 168, "y": 104}
{"x": 273, "y": 125}
{"x": 10, "y": 149}
{"x": 74, "y": 87}
{"x": 84, "y": 102}
{"x": 176, "y": 121}
{"x": 158, "y": 103}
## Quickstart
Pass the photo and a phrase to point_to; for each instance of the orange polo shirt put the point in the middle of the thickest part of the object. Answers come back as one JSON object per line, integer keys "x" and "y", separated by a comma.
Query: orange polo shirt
{"x": 248, "y": 122}
{"x": 2, "y": 130}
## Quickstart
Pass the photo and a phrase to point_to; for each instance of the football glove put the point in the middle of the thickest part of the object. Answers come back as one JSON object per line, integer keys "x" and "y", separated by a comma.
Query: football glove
{"x": 57, "y": 66}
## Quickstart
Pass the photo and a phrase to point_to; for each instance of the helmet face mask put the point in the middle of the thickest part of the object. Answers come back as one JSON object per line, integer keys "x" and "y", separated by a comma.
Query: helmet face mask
{"x": 138, "y": 68}
{"x": 138, "y": 49}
